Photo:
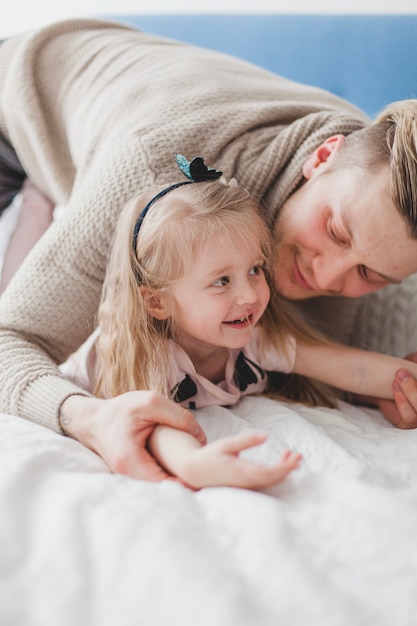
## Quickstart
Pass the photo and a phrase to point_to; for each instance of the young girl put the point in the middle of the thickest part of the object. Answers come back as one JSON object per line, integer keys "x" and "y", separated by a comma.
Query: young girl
{"x": 187, "y": 311}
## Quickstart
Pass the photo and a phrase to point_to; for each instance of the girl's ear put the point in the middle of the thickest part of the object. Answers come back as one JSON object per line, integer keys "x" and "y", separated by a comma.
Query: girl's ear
{"x": 155, "y": 303}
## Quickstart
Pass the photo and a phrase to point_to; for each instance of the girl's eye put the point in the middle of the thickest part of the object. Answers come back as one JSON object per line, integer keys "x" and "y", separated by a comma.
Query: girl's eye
{"x": 221, "y": 282}
{"x": 255, "y": 270}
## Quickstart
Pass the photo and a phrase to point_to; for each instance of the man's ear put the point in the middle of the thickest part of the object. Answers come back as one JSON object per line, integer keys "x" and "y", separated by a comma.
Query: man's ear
{"x": 155, "y": 303}
{"x": 323, "y": 154}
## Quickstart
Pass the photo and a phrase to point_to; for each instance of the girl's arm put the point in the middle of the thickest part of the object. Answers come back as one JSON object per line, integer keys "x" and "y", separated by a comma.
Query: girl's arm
{"x": 218, "y": 463}
{"x": 358, "y": 371}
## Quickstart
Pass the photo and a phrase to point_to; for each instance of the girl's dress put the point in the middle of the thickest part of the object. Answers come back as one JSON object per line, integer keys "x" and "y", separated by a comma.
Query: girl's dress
{"x": 248, "y": 371}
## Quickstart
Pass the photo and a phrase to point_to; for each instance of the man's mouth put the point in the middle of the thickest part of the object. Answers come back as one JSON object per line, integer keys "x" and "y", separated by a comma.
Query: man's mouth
{"x": 299, "y": 277}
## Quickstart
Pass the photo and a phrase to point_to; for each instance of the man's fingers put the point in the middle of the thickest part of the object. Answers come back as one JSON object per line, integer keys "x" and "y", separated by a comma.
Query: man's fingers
{"x": 139, "y": 463}
{"x": 399, "y": 411}
{"x": 405, "y": 396}
{"x": 407, "y": 384}
{"x": 178, "y": 417}
{"x": 404, "y": 415}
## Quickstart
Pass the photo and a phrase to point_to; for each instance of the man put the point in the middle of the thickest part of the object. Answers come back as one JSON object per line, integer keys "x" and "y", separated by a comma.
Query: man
{"x": 93, "y": 112}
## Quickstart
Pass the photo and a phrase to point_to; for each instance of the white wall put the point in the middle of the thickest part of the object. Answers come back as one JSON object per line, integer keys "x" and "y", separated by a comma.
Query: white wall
{"x": 16, "y": 15}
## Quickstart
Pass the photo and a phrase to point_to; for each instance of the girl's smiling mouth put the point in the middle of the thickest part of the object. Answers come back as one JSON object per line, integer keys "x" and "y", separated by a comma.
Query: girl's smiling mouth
{"x": 241, "y": 322}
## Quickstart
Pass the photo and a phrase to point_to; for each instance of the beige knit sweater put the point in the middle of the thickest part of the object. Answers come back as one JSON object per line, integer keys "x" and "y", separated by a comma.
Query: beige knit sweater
{"x": 95, "y": 112}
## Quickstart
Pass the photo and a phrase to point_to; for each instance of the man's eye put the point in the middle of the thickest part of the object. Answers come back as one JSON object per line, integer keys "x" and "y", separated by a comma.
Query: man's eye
{"x": 363, "y": 272}
{"x": 371, "y": 277}
{"x": 333, "y": 234}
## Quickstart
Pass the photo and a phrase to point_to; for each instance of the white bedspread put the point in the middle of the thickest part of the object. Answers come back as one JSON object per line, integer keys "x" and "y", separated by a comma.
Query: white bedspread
{"x": 335, "y": 545}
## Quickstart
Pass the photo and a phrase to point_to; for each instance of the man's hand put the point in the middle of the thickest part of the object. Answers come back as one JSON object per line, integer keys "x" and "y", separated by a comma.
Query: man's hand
{"x": 118, "y": 429}
{"x": 402, "y": 411}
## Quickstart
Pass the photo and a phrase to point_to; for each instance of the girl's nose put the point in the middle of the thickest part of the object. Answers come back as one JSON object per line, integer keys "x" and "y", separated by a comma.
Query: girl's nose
{"x": 245, "y": 293}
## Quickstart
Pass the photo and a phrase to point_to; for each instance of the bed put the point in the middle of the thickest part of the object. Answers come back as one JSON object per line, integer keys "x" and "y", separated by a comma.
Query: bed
{"x": 334, "y": 545}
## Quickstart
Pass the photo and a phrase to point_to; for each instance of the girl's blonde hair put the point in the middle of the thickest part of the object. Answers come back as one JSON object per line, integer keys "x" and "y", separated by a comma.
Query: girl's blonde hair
{"x": 132, "y": 349}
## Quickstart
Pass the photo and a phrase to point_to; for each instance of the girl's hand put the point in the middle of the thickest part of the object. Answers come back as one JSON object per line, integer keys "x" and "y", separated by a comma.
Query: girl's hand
{"x": 218, "y": 464}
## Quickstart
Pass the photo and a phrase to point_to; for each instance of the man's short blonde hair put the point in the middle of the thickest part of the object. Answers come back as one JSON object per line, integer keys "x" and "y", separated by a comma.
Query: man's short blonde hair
{"x": 390, "y": 141}
{"x": 399, "y": 121}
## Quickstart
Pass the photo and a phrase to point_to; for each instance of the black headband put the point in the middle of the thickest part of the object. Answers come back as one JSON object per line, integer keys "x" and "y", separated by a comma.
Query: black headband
{"x": 196, "y": 170}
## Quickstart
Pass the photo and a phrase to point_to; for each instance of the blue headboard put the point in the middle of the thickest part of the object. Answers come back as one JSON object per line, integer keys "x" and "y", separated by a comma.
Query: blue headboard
{"x": 370, "y": 60}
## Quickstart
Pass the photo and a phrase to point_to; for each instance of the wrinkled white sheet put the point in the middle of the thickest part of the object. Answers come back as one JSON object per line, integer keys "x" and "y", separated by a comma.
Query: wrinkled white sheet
{"x": 335, "y": 545}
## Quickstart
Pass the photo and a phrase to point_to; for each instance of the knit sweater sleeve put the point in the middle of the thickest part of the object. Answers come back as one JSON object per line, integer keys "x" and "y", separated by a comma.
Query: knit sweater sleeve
{"x": 49, "y": 308}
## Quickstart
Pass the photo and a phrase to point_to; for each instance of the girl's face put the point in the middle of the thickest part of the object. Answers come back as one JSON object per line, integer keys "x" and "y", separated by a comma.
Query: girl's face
{"x": 221, "y": 297}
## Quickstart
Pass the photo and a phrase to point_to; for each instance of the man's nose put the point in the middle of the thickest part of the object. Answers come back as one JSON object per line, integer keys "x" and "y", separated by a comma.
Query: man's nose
{"x": 331, "y": 273}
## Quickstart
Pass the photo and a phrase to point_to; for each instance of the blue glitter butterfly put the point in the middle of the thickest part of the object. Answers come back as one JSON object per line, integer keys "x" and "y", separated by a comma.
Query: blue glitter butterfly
{"x": 196, "y": 169}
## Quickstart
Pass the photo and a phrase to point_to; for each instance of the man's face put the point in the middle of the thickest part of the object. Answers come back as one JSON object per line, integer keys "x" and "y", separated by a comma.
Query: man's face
{"x": 340, "y": 234}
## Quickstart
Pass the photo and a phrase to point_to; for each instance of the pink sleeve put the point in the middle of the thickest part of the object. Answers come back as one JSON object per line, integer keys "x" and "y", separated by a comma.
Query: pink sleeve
{"x": 272, "y": 359}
